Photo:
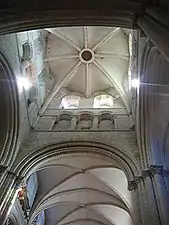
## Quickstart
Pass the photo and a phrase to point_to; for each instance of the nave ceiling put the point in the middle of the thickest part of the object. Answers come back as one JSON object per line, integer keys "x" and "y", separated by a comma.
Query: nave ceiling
{"x": 84, "y": 188}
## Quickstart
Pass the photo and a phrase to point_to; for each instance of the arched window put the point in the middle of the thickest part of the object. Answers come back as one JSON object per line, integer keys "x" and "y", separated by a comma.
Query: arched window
{"x": 106, "y": 121}
{"x": 103, "y": 101}
{"x": 70, "y": 102}
{"x": 63, "y": 122}
{"x": 85, "y": 121}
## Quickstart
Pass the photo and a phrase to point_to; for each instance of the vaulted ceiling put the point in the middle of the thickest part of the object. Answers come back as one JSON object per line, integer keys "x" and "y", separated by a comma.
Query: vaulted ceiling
{"x": 86, "y": 61}
{"x": 83, "y": 189}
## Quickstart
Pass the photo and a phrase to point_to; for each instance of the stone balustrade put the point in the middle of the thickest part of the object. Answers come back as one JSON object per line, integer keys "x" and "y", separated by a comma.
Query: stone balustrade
{"x": 56, "y": 120}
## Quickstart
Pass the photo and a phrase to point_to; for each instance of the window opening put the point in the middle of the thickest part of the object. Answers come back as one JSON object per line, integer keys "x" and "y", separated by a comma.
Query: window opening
{"x": 70, "y": 102}
{"x": 103, "y": 101}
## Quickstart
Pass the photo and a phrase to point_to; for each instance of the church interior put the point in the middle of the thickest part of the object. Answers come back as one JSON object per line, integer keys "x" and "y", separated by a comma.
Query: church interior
{"x": 84, "y": 113}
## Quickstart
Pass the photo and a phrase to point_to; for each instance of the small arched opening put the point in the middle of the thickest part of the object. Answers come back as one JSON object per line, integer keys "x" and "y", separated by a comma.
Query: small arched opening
{"x": 106, "y": 121}
{"x": 85, "y": 121}
{"x": 103, "y": 101}
{"x": 63, "y": 122}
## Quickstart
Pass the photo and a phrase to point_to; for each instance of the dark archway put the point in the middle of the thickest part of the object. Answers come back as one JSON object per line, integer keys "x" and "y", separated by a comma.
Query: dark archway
{"x": 19, "y": 16}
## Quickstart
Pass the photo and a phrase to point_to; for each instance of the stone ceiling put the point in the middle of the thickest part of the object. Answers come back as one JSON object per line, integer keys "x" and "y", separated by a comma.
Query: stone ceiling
{"x": 83, "y": 189}
{"x": 87, "y": 60}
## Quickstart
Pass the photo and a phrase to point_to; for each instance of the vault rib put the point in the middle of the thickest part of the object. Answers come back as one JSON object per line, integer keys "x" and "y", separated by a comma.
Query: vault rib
{"x": 78, "y": 209}
{"x": 84, "y": 219}
{"x": 63, "y": 37}
{"x": 53, "y": 58}
{"x": 58, "y": 85}
{"x": 85, "y": 36}
{"x": 106, "y": 74}
{"x": 111, "y": 80}
{"x": 87, "y": 81}
{"x": 105, "y": 38}
{"x": 111, "y": 55}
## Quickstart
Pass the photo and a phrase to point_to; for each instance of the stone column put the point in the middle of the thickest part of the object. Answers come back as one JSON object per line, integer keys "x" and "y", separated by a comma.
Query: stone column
{"x": 95, "y": 122}
{"x": 73, "y": 123}
{"x": 137, "y": 187}
{"x": 156, "y": 196}
{"x": 152, "y": 208}
{"x": 7, "y": 191}
{"x": 157, "y": 33}
{"x": 145, "y": 200}
{"x": 166, "y": 180}
{"x": 147, "y": 212}
{"x": 142, "y": 202}
{"x": 161, "y": 194}
{"x": 136, "y": 206}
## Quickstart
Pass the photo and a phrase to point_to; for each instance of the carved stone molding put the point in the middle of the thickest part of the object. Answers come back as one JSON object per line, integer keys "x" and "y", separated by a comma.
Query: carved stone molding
{"x": 132, "y": 185}
{"x": 54, "y": 151}
{"x": 10, "y": 105}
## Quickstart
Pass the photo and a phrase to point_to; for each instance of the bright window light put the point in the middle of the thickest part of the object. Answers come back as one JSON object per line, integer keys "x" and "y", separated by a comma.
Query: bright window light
{"x": 103, "y": 101}
{"x": 70, "y": 102}
{"x": 23, "y": 82}
{"x": 135, "y": 83}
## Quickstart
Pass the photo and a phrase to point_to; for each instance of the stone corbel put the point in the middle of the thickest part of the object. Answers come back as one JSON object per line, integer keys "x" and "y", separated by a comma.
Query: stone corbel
{"x": 149, "y": 172}
{"x": 165, "y": 173}
{"x": 132, "y": 185}
{"x": 158, "y": 169}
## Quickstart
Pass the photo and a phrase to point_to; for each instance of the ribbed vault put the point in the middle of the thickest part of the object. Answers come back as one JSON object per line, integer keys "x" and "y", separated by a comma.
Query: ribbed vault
{"x": 82, "y": 187}
{"x": 78, "y": 196}
{"x": 87, "y": 60}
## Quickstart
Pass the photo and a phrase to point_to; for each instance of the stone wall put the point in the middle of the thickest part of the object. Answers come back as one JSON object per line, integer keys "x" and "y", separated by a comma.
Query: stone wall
{"x": 11, "y": 46}
{"x": 123, "y": 141}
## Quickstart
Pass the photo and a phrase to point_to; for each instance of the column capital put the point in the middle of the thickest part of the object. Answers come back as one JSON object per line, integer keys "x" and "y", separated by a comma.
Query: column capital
{"x": 158, "y": 169}
{"x": 132, "y": 185}
{"x": 149, "y": 172}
